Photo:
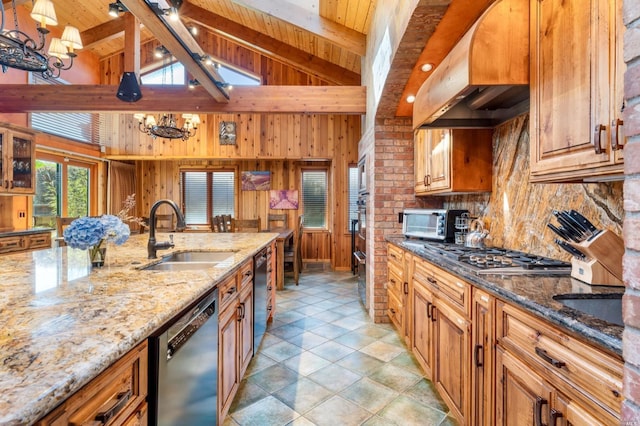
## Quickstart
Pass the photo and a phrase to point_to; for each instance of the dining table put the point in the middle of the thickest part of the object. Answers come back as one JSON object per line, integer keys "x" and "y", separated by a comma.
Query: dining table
{"x": 284, "y": 234}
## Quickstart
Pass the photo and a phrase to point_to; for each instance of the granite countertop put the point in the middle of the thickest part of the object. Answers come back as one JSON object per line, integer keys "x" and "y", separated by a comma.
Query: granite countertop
{"x": 25, "y": 232}
{"x": 62, "y": 323}
{"x": 534, "y": 294}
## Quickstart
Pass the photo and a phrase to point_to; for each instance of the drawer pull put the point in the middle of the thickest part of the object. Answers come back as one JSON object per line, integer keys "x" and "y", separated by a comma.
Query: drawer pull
{"x": 248, "y": 274}
{"x": 231, "y": 290}
{"x": 393, "y": 311}
{"x": 459, "y": 284}
{"x": 432, "y": 280}
{"x": 543, "y": 354}
{"x": 392, "y": 282}
{"x": 122, "y": 399}
{"x": 537, "y": 413}
{"x": 484, "y": 299}
{"x": 476, "y": 355}
{"x": 406, "y": 288}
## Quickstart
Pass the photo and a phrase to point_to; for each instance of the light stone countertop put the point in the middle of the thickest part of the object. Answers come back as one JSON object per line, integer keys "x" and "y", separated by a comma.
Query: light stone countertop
{"x": 61, "y": 323}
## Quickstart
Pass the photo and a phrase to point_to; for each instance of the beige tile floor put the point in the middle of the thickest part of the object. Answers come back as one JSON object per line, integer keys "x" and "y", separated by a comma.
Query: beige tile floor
{"x": 324, "y": 362}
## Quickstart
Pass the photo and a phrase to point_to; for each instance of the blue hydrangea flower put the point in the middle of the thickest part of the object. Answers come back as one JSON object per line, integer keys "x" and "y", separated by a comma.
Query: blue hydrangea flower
{"x": 115, "y": 230}
{"x": 84, "y": 232}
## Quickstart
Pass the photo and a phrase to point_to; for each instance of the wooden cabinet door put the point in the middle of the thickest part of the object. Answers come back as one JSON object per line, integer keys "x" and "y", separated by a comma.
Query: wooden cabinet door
{"x": 22, "y": 167}
{"x": 245, "y": 323}
{"x": 482, "y": 359}
{"x": 522, "y": 397}
{"x": 422, "y": 334}
{"x": 228, "y": 358}
{"x": 618, "y": 138}
{"x": 569, "y": 85}
{"x": 451, "y": 359}
{"x": 438, "y": 159}
{"x": 420, "y": 160}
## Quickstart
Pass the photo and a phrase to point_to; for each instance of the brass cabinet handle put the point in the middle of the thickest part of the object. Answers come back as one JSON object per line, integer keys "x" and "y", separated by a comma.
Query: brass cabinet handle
{"x": 597, "y": 135}
{"x": 615, "y": 134}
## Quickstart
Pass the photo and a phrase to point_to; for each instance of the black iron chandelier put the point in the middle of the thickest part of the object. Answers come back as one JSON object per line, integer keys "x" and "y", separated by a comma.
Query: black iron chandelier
{"x": 18, "y": 50}
{"x": 167, "y": 127}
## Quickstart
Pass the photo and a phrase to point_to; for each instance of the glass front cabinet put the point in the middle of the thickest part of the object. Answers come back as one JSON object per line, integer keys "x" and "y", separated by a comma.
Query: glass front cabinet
{"x": 17, "y": 161}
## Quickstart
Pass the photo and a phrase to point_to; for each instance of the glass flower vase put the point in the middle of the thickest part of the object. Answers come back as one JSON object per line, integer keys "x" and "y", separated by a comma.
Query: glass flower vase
{"x": 97, "y": 256}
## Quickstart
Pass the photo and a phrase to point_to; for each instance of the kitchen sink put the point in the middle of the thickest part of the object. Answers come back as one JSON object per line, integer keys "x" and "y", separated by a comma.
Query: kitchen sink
{"x": 190, "y": 260}
{"x": 607, "y": 307}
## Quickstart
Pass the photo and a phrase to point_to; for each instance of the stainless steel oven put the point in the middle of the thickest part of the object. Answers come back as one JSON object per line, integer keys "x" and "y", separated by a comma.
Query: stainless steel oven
{"x": 362, "y": 216}
{"x": 359, "y": 254}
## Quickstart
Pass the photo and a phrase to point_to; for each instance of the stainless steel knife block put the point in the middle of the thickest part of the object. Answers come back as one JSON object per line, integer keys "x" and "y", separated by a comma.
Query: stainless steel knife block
{"x": 604, "y": 266}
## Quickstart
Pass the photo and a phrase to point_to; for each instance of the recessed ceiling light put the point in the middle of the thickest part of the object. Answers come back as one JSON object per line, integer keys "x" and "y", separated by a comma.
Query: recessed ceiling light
{"x": 426, "y": 67}
{"x": 411, "y": 99}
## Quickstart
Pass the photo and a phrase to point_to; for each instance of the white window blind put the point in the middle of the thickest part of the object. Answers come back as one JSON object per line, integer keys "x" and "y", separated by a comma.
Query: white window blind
{"x": 207, "y": 194}
{"x": 314, "y": 198}
{"x": 353, "y": 195}
{"x": 195, "y": 199}
{"x": 78, "y": 126}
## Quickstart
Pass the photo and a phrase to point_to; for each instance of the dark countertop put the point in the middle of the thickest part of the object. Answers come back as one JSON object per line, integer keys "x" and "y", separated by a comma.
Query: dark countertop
{"x": 25, "y": 232}
{"x": 534, "y": 294}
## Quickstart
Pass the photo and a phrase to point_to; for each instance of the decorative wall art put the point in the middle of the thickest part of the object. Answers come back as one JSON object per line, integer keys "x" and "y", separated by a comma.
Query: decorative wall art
{"x": 256, "y": 181}
{"x": 286, "y": 199}
{"x": 227, "y": 133}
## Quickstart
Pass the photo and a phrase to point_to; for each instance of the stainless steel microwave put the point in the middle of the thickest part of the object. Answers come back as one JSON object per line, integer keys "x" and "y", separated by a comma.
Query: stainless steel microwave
{"x": 431, "y": 224}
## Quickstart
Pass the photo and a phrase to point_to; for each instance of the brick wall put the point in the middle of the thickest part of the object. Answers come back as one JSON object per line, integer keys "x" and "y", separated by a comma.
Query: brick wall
{"x": 631, "y": 262}
{"x": 393, "y": 191}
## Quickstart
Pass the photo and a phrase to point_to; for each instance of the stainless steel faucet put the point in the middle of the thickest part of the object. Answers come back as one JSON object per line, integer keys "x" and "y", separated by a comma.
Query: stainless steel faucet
{"x": 152, "y": 245}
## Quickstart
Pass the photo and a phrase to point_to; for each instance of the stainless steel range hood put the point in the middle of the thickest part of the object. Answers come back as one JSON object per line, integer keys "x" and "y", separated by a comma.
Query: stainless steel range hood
{"x": 484, "y": 80}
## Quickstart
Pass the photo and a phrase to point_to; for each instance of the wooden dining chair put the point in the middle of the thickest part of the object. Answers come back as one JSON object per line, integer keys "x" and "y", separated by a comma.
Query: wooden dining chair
{"x": 245, "y": 225}
{"x": 277, "y": 221}
{"x": 293, "y": 253}
{"x": 61, "y": 224}
{"x": 221, "y": 223}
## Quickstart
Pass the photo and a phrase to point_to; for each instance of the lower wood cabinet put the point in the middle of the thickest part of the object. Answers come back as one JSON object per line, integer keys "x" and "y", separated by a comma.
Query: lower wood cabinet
{"x": 235, "y": 336}
{"x": 495, "y": 364}
{"x": 117, "y": 396}
{"x": 19, "y": 243}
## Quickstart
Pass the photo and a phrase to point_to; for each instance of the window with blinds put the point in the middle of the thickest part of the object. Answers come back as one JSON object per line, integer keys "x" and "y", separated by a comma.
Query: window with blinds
{"x": 78, "y": 126}
{"x": 314, "y": 198}
{"x": 353, "y": 195}
{"x": 206, "y": 194}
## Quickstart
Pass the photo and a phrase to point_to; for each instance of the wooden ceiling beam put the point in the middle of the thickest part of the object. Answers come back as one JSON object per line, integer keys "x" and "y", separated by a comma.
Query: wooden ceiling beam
{"x": 179, "y": 41}
{"x": 103, "y": 32}
{"x": 20, "y": 98}
{"x": 270, "y": 46}
{"x": 326, "y": 29}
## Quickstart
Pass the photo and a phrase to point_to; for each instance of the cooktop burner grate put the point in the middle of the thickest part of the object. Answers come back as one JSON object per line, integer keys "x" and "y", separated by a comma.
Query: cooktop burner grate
{"x": 499, "y": 260}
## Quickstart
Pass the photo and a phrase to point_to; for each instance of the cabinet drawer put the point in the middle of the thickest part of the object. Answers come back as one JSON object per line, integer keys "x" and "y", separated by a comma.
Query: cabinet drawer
{"x": 455, "y": 290}
{"x": 114, "y": 397}
{"x": 228, "y": 290}
{"x": 245, "y": 275}
{"x": 395, "y": 257}
{"x": 40, "y": 241}
{"x": 395, "y": 285}
{"x": 395, "y": 311}
{"x": 582, "y": 366}
{"x": 9, "y": 244}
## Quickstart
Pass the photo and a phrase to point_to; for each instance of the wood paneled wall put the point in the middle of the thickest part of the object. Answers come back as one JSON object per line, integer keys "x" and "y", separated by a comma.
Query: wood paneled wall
{"x": 275, "y": 136}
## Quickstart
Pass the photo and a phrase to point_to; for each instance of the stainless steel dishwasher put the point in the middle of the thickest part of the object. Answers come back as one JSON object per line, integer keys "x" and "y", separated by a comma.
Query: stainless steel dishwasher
{"x": 260, "y": 297}
{"x": 183, "y": 366}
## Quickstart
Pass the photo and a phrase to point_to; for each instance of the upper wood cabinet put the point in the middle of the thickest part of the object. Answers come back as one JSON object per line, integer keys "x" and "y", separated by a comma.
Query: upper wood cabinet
{"x": 452, "y": 160}
{"x": 17, "y": 161}
{"x": 577, "y": 91}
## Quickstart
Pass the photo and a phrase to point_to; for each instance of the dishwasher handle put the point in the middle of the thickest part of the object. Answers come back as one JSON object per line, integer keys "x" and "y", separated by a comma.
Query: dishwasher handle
{"x": 189, "y": 330}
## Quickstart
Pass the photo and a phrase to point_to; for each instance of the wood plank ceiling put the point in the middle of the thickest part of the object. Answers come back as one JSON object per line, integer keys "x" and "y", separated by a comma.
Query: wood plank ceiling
{"x": 326, "y": 38}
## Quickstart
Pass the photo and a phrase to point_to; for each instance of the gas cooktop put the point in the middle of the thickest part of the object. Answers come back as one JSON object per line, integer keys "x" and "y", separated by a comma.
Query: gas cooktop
{"x": 493, "y": 260}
